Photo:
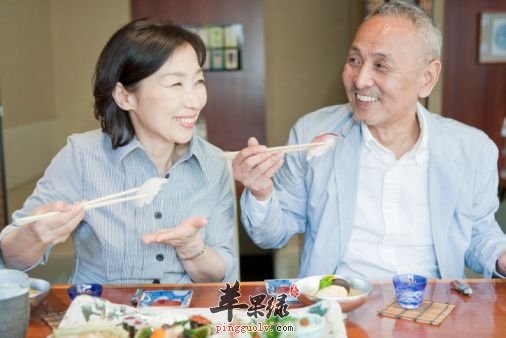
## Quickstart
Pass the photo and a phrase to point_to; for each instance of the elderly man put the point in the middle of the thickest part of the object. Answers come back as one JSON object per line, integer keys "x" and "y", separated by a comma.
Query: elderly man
{"x": 403, "y": 190}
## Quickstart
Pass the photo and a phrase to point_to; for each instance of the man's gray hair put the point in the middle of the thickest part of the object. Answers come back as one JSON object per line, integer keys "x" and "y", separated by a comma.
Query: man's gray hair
{"x": 427, "y": 30}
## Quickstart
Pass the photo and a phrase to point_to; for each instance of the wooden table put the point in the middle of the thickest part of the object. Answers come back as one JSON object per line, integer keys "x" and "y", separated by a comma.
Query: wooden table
{"x": 481, "y": 315}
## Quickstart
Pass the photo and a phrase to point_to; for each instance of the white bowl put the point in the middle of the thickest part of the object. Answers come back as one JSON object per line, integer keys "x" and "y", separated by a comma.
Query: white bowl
{"x": 42, "y": 287}
{"x": 308, "y": 286}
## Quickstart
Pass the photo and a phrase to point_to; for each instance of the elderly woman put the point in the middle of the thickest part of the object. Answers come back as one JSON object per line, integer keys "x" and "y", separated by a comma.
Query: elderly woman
{"x": 149, "y": 90}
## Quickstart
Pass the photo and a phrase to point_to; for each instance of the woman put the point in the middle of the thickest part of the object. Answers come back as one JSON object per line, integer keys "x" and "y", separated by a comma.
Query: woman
{"x": 149, "y": 90}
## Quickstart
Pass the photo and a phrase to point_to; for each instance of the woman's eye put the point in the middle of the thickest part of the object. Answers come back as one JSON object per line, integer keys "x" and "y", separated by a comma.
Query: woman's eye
{"x": 177, "y": 84}
{"x": 201, "y": 81}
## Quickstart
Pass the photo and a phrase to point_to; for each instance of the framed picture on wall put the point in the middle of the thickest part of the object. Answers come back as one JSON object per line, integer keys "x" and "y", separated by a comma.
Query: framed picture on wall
{"x": 223, "y": 46}
{"x": 492, "y": 37}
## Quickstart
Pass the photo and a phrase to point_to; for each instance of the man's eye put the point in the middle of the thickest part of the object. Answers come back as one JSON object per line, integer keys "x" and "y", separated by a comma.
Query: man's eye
{"x": 353, "y": 60}
{"x": 380, "y": 66}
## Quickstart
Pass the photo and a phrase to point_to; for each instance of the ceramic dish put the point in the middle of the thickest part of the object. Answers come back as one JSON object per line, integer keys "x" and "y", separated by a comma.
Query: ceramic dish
{"x": 39, "y": 289}
{"x": 360, "y": 290}
{"x": 179, "y": 298}
{"x": 90, "y": 313}
{"x": 92, "y": 289}
{"x": 277, "y": 287}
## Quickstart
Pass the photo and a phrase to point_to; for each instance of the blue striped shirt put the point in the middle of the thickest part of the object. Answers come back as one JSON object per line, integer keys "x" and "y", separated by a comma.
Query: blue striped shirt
{"x": 108, "y": 242}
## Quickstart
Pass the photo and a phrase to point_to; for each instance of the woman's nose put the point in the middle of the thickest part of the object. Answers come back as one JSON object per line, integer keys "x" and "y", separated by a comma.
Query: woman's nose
{"x": 192, "y": 99}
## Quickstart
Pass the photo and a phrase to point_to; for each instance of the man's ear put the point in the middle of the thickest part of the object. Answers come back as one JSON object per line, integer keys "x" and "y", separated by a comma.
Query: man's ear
{"x": 430, "y": 76}
{"x": 124, "y": 99}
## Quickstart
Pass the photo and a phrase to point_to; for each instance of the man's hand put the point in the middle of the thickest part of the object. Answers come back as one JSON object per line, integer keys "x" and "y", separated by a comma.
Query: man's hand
{"x": 254, "y": 168}
{"x": 501, "y": 264}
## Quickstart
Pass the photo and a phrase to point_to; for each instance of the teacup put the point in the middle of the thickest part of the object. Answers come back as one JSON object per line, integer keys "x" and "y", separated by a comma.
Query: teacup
{"x": 409, "y": 290}
{"x": 14, "y": 303}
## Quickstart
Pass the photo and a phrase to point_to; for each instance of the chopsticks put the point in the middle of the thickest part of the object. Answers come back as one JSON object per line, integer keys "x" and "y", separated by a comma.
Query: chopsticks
{"x": 96, "y": 203}
{"x": 230, "y": 155}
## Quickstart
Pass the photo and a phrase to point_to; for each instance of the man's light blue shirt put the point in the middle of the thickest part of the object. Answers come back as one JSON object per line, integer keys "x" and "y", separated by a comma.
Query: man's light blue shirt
{"x": 317, "y": 197}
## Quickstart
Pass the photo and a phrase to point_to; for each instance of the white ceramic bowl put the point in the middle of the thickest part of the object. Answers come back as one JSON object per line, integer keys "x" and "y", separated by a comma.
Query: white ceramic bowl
{"x": 307, "y": 287}
{"x": 42, "y": 286}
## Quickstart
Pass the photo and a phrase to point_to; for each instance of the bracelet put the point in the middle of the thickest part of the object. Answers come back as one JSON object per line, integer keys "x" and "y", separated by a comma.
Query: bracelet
{"x": 198, "y": 254}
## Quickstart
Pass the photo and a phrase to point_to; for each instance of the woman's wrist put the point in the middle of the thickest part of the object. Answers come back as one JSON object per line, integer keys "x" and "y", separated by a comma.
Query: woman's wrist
{"x": 191, "y": 251}
{"x": 194, "y": 256}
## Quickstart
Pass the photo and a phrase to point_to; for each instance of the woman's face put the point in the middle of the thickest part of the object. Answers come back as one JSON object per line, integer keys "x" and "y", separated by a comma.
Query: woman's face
{"x": 166, "y": 104}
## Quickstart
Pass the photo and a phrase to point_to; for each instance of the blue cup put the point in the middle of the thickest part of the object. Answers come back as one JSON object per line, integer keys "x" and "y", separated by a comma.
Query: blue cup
{"x": 409, "y": 290}
{"x": 91, "y": 289}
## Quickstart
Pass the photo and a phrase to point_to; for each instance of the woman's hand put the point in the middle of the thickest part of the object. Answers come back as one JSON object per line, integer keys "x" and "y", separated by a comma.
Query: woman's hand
{"x": 55, "y": 229}
{"x": 184, "y": 237}
{"x": 254, "y": 168}
{"x": 24, "y": 246}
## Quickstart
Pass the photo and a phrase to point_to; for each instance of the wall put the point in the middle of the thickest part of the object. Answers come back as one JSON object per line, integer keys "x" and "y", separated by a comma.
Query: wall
{"x": 49, "y": 51}
{"x": 306, "y": 45}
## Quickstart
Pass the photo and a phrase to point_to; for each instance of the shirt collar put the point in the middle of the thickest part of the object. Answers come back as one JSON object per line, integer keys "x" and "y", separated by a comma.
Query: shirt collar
{"x": 419, "y": 150}
{"x": 196, "y": 149}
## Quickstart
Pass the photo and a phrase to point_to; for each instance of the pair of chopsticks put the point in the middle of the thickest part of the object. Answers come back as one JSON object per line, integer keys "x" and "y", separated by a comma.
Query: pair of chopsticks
{"x": 96, "y": 203}
{"x": 230, "y": 155}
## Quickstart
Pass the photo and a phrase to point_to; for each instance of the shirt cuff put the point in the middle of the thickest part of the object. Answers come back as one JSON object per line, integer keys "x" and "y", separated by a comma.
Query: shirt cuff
{"x": 257, "y": 210}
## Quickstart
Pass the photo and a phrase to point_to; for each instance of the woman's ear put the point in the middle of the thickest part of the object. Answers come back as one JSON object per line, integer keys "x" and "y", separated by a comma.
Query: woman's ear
{"x": 124, "y": 99}
{"x": 430, "y": 76}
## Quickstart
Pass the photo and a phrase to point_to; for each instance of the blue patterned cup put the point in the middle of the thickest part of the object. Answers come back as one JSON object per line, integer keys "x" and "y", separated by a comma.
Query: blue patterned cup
{"x": 409, "y": 290}
{"x": 91, "y": 289}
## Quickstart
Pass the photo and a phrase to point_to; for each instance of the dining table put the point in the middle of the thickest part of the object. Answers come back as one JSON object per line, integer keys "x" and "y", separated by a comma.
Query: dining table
{"x": 482, "y": 314}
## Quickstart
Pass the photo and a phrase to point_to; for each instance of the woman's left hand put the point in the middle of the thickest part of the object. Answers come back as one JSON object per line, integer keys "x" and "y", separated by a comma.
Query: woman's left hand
{"x": 184, "y": 237}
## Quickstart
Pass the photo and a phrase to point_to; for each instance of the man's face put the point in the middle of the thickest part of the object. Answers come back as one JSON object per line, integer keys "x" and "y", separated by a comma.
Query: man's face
{"x": 384, "y": 75}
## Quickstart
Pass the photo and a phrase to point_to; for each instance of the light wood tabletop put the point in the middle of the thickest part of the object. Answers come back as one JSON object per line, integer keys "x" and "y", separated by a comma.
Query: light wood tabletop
{"x": 481, "y": 315}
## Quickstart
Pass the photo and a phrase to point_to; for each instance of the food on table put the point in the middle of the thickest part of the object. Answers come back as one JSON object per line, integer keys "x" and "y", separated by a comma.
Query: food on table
{"x": 332, "y": 286}
{"x": 91, "y": 331}
{"x": 329, "y": 140}
{"x": 33, "y": 292}
{"x": 166, "y": 302}
{"x": 196, "y": 326}
{"x": 282, "y": 289}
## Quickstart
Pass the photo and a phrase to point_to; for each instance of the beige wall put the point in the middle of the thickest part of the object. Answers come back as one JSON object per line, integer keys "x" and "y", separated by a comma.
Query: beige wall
{"x": 305, "y": 50}
{"x": 49, "y": 49}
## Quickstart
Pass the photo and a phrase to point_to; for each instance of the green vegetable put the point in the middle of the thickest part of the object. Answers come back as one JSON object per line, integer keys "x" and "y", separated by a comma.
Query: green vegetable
{"x": 200, "y": 332}
{"x": 145, "y": 332}
{"x": 326, "y": 281}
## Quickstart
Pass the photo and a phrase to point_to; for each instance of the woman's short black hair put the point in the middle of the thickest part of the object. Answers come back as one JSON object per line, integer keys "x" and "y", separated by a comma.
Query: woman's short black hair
{"x": 133, "y": 53}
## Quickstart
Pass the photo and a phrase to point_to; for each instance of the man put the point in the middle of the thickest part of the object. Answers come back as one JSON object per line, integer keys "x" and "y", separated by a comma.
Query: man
{"x": 403, "y": 190}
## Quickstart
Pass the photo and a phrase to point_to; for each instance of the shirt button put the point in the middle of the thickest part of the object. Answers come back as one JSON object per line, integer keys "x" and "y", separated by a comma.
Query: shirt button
{"x": 158, "y": 215}
{"x": 156, "y": 281}
{"x": 167, "y": 175}
{"x": 159, "y": 257}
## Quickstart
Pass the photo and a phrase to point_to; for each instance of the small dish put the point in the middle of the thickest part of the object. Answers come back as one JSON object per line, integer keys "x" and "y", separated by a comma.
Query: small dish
{"x": 92, "y": 289}
{"x": 180, "y": 298}
{"x": 276, "y": 287}
{"x": 39, "y": 290}
{"x": 358, "y": 295}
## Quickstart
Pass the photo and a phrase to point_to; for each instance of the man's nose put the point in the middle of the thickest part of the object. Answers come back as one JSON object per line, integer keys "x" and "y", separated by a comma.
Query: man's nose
{"x": 363, "y": 77}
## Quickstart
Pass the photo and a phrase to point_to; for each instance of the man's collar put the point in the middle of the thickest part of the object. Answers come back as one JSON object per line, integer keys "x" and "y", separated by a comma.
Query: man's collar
{"x": 420, "y": 149}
